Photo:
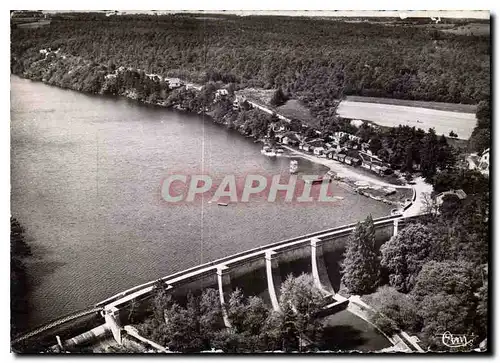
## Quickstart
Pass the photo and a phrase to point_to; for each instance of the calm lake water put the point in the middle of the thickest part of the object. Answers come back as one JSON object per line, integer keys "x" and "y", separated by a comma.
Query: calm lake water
{"x": 86, "y": 174}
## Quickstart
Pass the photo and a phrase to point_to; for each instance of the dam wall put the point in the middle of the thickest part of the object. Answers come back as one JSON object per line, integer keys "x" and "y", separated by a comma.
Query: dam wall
{"x": 258, "y": 272}
{"x": 262, "y": 270}
{"x": 66, "y": 328}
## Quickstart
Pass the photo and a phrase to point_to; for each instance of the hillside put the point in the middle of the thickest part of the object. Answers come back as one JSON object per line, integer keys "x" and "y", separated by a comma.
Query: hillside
{"x": 313, "y": 60}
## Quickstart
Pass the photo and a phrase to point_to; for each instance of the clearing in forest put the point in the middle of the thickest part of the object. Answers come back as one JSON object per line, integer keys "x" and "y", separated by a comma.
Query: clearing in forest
{"x": 391, "y": 115}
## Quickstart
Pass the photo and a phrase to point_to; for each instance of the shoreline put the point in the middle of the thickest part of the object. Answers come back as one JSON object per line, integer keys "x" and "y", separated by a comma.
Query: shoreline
{"x": 293, "y": 152}
{"x": 347, "y": 178}
{"x": 357, "y": 182}
{"x": 131, "y": 96}
{"x": 342, "y": 171}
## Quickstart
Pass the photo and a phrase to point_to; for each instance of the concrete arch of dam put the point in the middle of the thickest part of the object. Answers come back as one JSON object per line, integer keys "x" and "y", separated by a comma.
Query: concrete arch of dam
{"x": 259, "y": 272}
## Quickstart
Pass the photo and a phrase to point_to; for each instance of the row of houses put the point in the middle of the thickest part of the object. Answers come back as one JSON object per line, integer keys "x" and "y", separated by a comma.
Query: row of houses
{"x": 374, "y": 163}
{"x": 459, "y": 193}
{"x": 333, "y": 150}
{"x": 349, "y": 160}
{"x": 173, "y": 83}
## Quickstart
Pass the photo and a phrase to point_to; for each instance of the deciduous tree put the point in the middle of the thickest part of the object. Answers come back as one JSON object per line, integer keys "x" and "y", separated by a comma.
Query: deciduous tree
{"x": 300, "y": 301}
{"x": 404, "y": 254}
{"x": 447, "y": 301}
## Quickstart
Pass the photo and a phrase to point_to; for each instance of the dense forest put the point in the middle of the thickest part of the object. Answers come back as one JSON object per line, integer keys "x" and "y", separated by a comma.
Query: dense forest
{"x": 197, "y": 325}
{"x": 480, "y": 139}
{"x": 315, "y": 60}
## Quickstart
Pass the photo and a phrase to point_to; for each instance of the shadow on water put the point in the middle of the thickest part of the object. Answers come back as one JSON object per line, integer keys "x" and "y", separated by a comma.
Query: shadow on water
{"x": 40, "y": 269}
{"x": 345, "y": 331}
{"x": 341, "y": 337}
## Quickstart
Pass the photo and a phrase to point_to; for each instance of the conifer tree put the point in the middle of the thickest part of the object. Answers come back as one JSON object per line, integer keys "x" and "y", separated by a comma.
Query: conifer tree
{"x": 361, "y": 267}
{"x": 278, "y": 98}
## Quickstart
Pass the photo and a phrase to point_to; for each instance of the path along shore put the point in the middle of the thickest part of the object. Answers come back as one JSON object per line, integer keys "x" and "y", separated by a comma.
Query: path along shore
{"x": 351, "y": 176}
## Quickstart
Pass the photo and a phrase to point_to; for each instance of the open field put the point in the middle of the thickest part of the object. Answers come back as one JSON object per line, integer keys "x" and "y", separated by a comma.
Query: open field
{"x": 258, "y": 95}
{"x": 293, "y": 109}
{"x": 479, "y": 29}
{"x": 393, "y": 115}
{"x": 443, "y": 106}
{"x": 36, "y": 24}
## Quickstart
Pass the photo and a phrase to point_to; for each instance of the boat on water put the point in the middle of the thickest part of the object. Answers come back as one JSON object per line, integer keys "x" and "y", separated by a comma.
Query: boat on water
{"x": 268, "y": 151}
{"x": 294, "y": 166}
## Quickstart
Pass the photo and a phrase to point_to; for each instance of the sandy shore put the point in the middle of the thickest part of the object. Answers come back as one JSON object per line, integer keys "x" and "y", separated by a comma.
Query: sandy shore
{"x": 354, "y": 178}
{"x": 343, "y": 171}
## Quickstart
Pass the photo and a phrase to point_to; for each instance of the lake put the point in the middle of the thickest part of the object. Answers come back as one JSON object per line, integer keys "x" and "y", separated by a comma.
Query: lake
{"x": 86, "y": 175}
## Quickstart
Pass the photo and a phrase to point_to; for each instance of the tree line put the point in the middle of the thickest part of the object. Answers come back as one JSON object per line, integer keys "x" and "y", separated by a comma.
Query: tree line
{"x": 480, "y": 139}
{"x": 198, "y": 325}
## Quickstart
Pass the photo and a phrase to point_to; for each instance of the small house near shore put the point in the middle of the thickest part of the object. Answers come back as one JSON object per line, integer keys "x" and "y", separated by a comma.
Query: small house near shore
{"x": 330, "y": 153}
{"x": 287, "y": 138}
{"x": 319, "y": 150}
{"x": 338, "y": 135}
{"x": 305, "y": 147}
{"x": 173, "y": 82}
{"x": 340, "y": 157}
{"x": 220, "y": 93}
{"x": 484, "y": 162}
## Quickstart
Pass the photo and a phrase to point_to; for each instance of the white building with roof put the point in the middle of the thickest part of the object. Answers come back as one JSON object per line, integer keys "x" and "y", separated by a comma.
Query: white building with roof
{"x": 484, "y": 162}
{"x": 173, "y": 82}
